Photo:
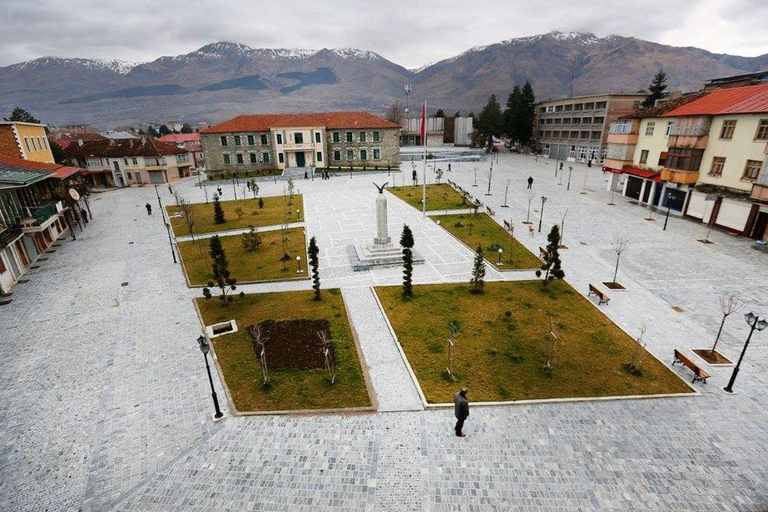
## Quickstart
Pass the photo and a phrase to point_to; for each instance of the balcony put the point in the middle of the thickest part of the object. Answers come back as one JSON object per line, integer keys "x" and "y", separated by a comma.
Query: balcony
{"x": 760, "y": 186}
{"x": 688, "y": 141}
{"x": 622, "y": 138}
{"x": 299, "y": 146}
{"x": 677, "y": 176}
{"x": 9, "y": 234}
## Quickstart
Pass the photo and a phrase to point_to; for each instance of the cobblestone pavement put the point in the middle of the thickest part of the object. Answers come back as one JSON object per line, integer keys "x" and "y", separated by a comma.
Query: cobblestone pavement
{"x": 105, "y": 405}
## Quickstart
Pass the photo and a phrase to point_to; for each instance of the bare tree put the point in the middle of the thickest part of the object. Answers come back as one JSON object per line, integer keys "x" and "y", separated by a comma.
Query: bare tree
{"x": 453, "y": 332}
{"x": 637, "y": 353}
{"x": 489, "y": 175}
{"x": 326, "y": 344}
{"x": 619, "y": 244}
{"x": 530, "y": 200}
{"x": 395, "y": 112}
{"x": 729, "y": 303}
{"x": 551, "y": 340}
{"x": 506, "y": 190}
{"x": 260, "y": 341}
{"x": 563, "y": 214}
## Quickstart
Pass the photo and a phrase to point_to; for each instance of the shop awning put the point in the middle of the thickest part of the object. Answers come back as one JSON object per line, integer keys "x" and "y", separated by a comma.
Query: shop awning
{"x": 641, "y": 173}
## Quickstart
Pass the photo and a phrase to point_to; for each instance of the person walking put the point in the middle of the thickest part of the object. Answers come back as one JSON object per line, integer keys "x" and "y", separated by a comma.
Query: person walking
{"x": 149, "y": 208}
{"x": 449, "y": 167}
{"x": 461, "y": 410}
{"x": 170, "y": 190}
{"x": 561, "y": 166}
{"x": 530, "y": 181}
{"x": 415, "y": 177}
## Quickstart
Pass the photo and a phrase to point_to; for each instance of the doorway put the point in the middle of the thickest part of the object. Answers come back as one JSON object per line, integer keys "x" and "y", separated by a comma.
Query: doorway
{"x": 759, "y": 227}
{"x": 300, "y": 159}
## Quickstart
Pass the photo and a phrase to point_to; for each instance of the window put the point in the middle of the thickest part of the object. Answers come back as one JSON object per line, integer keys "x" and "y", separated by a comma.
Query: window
{"x": 240, "y": 159}
{"x": 589, "y": 106}
{"x": 621, "y": 126}
{"x": 265, "y": 157}
{"x": 26, "y": 141}
{"x": 362, "y": 136}
{"x": 598, "y": 120}
{"x": 336, "y": 137}
{"x": 377, "y": 154}
{"x": 584, "y": 135}
{"x": 644, "y": 156}
{"x": 349, "y": 137}
{"x": 578, "y": 106}
{"x": 549, "y": 120}
{"x": 566, "y": 120}
{"x": 350, "y": 154}
{"x": 596, "y": 135}
{"x": 574, "y": 134}
{"x": 279, "y": 138}
{"x": 718, "y": 162}
{"x": 298, "y": 138}
{"x": 46, "y": 143}
{"x": 134, "y": 161}
{"x": 684, "y": 159}
{"x": 751, "y": 170}
{"x": 254, "y": 160}
{"x": 237, "y": 140}
{"x": 317, "y": 137}
{"x": 125, "y": 161}
{"x": 551, "y": 108}
{"x": 601, "y": 104}
{"x": 224, "y": 142}
{"x": 337, "y": 155}
{"x": 93, "y": 162}
{"x": 762, "y": 130}
{"x": 251, "y": 140}
{"x": 280, "y": 157}
{"x": 556, "y": 134}
{"x": 670, "y": 127}
{"x": 728, "y": 128}
{"x": 319, "y": 157}
{"x": 363, "y": 154}
{"x": 649, "y": 128}
{"x": 226, "y": 160}
{"x": 264, "y": 139}
{"x": 375, "y": 136}
{"x": 586, "y": 120}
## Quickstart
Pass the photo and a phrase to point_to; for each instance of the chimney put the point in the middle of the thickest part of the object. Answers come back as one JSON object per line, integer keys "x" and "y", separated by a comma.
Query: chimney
{"x": 80, "y": 142}
{"x": 111, "y": 142}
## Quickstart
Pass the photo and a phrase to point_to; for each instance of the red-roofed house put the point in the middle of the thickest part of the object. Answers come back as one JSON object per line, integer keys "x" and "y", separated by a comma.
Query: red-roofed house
{"x": 718, "y": 142}
{"x": 189, "y": 142}
{"x": 279, "y": 141}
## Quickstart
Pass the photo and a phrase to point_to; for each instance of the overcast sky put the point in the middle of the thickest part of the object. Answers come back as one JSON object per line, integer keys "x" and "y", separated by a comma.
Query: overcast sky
{"x": 408, "y": 32}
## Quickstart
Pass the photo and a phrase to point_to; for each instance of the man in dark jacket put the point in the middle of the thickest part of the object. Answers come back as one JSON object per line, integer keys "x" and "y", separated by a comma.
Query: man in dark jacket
{"x": 530, "y": 181}
{"x": 461, "y": 410}
{"x": 149, "y": 208}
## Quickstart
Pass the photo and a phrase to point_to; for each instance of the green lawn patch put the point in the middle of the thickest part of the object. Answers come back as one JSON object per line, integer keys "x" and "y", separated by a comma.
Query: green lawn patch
{"x": 291, "y": 389}
{"x": 223, "y": 175}
{"x": 501, "y": 357}
{"x": 272, "y": 214}
{"x": 263, "y": 264}
{"x": 482, "y": 230}
{"x": 439, "y": 197}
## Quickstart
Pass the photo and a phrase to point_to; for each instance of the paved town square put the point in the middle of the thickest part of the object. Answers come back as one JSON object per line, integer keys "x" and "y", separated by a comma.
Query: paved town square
{"x": 105, "y": 403}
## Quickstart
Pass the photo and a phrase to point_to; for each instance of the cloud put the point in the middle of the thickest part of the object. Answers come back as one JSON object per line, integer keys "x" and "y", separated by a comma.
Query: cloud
{"x": 407, "y": 32}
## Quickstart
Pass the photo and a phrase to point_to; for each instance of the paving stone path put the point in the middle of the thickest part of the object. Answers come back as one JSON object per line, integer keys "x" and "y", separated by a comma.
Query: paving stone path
{"x": 105, "y": 404}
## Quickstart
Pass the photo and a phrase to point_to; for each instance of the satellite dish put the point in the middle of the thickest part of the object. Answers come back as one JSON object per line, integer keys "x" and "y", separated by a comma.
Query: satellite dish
{"x": 74, "y": 195}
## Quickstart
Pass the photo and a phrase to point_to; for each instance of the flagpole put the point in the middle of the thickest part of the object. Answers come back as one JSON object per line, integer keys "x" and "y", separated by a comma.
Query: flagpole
{"x": 424, "y": 177}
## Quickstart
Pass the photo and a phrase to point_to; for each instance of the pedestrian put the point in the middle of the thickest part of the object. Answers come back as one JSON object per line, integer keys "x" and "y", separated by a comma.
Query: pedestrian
{"x": 415, "y": 177}
{"x": 149, "y": 208}
{"x": 530, "y": 181}
{"x": 170, "y": 190}
{"x": 218, "y": 189}
{"x": 561, "y": 166}
{"x": 248, "y": 184}
{"x": 461, "y": 410}
{"x": 449, "y": 167}
{"x": 84, "y": 215}
{"x": 589, "y": 163}
{"x": 306, "y": 177}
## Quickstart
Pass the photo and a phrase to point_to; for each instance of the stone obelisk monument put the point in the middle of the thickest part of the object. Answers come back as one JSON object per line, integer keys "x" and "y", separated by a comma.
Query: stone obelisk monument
{"x": 382, "y": 232}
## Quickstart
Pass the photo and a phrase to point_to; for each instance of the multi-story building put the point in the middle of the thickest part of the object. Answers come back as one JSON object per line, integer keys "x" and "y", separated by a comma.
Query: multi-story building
{"x": 700, "y": 156}
{"x": 576, "y": 129}
{"x": 126, "y": 162}
{"x": 279, "y": 141}
{"x": 440, "y": 130}
{"x": 190, "y": 142}
{"x": 27, "y": 141}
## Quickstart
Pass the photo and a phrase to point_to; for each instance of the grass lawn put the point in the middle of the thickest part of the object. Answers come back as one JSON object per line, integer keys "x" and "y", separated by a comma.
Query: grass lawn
{"x": 216, "y": 176}
{"x": 482, "y": 230}
{"x": 261, "y": 265}
{"x": 291, "y": 389}
{"x": 439, "y": 197}
{"x": 501, "y": 359}
{"x": 272, "y": 214}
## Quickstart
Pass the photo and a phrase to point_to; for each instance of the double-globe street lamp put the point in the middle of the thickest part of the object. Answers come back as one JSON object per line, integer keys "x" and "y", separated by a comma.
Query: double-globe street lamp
{"x": 755, "y": 323}
{"x": 205, "y": 348}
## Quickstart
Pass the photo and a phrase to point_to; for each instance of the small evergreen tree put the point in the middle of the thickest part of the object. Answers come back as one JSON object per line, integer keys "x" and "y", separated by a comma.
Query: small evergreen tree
{"x": 439, "y": 113}
{"x": 478, "y": 272}
{"x": 151, "y": 131}
{"x": 261, "y": 203}
{"x": 656, "y": 89}
{"x": 406, "y": 241}
{"x": 218, "y": 211}
{"x": 551, "y": 266}
{"x": 529, "y": 113}
{"x": 491, "y": 121}
{"x": 221, "y": 276}
{"x": 185, "y": 128}
{"x": 314, "y": 264}
{"x": 164, "y": 130}
{"x": 251, "y": 239}
{"x": 20, "y": 115}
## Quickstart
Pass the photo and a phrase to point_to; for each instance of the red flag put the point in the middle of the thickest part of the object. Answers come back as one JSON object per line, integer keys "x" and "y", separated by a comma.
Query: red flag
{"x": 424, "y": 124}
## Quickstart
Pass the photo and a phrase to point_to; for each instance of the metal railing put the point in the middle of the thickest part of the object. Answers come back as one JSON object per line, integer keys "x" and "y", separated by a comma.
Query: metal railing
{"x": 44, "y": 213}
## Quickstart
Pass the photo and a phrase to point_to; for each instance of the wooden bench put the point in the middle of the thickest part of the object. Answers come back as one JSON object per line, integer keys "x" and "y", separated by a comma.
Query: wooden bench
{"x": 507, "y": 226}
{"x": 698, "y": 373}
{"x": 490, "y": 211}
{"x": 602, "y": 298}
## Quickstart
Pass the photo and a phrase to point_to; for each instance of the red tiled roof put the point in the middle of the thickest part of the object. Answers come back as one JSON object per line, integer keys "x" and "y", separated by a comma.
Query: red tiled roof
{"x": 331, "y": 120}
{"x": 123, "y": 147}
{"x": 64, "y": 172}
{"x": 180, "y": 137}
{"x": 663, "y": 108}
{"x": 751, "y": 99}
{"x": 28, "y": 164}
{"x": 642, "y": 173}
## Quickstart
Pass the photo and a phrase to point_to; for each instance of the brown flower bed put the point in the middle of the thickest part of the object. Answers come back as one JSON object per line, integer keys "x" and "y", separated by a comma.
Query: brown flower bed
{"x": 712, "y": 357}
{"x": 613, "y": 285}
{"x": 294, "y": 344}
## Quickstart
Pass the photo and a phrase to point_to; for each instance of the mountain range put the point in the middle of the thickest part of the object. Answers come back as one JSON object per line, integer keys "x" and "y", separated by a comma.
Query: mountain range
{"x": 223, "y": 79}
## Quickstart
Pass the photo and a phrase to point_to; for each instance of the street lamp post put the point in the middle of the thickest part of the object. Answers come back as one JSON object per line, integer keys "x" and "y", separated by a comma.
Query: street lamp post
{"x": 557, "y": 160}
{"x": 298, "y": 264}
{"x": 205, "y": 348}
{"x": 158, "y": 198}
{"x": 500, "y": 251}
{"x": 541, "y": 216}
{"x": 490, "y": 178}
{"x": 669, "y": 207}
{"x": 298, "y": 215}
{"x": 570, "y": 170}
{"x": 755, "y": 323}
